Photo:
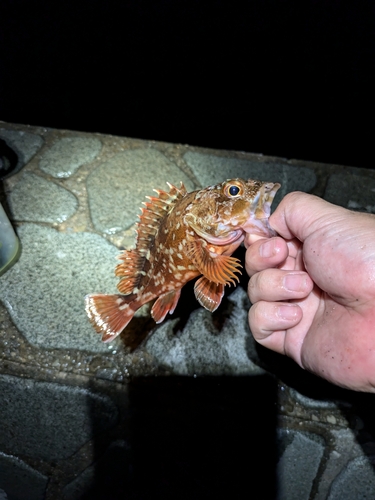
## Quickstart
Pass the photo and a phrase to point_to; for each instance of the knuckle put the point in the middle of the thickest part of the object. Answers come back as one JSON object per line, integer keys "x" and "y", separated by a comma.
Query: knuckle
{"x": 252, "y": 288}
{"x": 256, "y": 316}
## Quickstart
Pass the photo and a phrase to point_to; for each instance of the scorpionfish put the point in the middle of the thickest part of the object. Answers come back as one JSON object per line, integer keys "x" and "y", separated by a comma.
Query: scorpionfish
{"x": 181, "y": 236}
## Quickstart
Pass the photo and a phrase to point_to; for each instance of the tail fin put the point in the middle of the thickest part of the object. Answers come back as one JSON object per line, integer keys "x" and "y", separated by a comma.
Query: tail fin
{"x": 109, "y": 314}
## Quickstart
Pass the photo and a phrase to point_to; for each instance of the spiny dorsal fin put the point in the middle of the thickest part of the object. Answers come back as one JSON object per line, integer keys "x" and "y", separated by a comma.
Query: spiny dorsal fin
{"x": 156, "y": 209}
{"x": 135, "y": 262}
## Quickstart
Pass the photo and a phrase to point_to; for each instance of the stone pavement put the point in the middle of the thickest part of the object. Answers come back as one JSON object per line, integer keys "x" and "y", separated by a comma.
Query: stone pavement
{"x": 197, "y": 410}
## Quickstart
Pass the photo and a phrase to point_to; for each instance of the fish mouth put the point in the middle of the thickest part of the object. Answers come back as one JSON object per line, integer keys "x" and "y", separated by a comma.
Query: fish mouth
{"x": 235, "y": 236}
{"x": 261, "y": 227}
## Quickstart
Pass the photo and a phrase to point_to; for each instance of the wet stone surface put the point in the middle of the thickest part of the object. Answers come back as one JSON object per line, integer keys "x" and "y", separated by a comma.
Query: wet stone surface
{"x": 117, "y": 187}
{"x": 201, "y": 347}
{"x": 18, "y": 479}
{"x": 347, "y": 485}
{"x": 118, "y": 454}
{"x": 50, "y": 311}
{"x": 353, "y": 191}
{"x": 35, "y": 199}
{"x": 66, "y": 155}
{"x": 44, "y": 433}
{"x": 78, "y": 415}
{"x": 24, "y": 144}
{"x": 209, "y": 169}
{"x": 295, "y": 472}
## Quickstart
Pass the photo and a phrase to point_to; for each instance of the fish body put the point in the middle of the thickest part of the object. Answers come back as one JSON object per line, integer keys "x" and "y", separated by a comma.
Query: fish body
{"x": 181, "y": 236}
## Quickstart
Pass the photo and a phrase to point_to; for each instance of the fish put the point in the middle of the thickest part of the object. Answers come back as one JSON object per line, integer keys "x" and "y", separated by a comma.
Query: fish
{"x": 182, "y": 236}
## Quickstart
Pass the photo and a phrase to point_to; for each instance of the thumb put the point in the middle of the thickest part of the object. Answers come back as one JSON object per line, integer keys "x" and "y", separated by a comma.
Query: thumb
{"x": 300, "y": 214}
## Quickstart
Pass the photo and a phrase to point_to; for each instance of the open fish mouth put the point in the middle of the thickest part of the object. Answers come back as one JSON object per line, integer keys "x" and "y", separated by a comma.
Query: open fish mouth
{"x": 237, "y": 235}
{"x": 261, "y": 227}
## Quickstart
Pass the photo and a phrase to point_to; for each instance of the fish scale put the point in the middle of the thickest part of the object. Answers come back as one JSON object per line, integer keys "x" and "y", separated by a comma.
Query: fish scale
{"x": 181, "y": 236}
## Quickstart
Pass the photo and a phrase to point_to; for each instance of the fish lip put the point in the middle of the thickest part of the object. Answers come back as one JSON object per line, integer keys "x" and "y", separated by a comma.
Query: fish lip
{"x": 238, "y": 235}
{"x": 260, "y": 227}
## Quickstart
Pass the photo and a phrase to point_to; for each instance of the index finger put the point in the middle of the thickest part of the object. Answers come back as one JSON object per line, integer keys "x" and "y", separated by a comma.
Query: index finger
{"x": 265, "y": 253}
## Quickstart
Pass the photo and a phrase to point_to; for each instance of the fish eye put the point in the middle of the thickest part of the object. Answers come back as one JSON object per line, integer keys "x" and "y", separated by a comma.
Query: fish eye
{"x": 232, "y": 190}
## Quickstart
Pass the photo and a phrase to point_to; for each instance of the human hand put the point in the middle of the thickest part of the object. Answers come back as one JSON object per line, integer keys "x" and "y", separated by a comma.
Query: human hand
{"x": 313, "y": 289}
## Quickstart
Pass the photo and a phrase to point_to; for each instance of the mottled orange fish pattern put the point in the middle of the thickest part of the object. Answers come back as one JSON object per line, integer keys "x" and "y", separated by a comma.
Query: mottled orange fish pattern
{"x": 181, "y": 236}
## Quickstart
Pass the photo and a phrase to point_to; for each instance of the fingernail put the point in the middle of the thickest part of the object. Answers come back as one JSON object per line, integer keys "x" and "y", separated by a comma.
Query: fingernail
{"x": 287, "y": 311}
{"x": 294, "y": 282}
{"x": 267, "y": 249}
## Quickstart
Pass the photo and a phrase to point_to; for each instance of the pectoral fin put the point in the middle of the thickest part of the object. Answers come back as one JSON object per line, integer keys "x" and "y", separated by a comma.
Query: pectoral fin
{"x": 215, "y": 267}
{"x": 208, "y": 293}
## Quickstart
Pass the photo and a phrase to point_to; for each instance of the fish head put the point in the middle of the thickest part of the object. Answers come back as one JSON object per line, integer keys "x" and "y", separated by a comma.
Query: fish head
{"x": 224, "y": 213}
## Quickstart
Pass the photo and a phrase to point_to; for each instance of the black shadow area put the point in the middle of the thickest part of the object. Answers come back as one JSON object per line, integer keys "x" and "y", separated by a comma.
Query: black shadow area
{"x": 203, "y": 437}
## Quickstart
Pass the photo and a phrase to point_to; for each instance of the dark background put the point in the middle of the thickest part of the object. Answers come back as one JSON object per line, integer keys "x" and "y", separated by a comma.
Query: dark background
{"x": 288, "y": 78}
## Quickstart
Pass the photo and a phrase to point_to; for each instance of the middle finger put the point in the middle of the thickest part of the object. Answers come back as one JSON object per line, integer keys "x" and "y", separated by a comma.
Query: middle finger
{"x": 277, "y": 284}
